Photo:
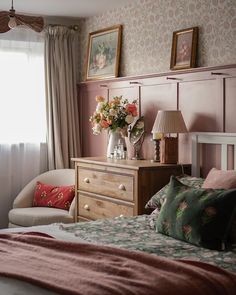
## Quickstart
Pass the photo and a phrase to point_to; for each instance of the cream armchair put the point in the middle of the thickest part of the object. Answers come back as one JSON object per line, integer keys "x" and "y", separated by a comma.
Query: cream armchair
{"x": 24, "y": 214}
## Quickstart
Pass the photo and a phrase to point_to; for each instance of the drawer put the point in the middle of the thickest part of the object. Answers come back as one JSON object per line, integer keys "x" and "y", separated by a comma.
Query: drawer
{"x": 107, "y": 184}
{"x": 82, "y": 219}
{"x": 94, "y": 208}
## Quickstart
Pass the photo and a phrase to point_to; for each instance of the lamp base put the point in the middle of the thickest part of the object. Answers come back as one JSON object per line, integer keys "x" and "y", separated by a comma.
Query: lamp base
{"x": 169, "y": 150}
{"x": 156, "y": 150}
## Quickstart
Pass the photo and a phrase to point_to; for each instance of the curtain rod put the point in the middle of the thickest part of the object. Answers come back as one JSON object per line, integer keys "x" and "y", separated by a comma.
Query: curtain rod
{"x": 72, "y": 27}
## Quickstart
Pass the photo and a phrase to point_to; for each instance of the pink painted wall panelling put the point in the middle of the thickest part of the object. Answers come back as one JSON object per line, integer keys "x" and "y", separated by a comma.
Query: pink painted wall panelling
{"x": 127, "y": 92}
{"x": 94, "y": 145}
{"x": 206, "y": 100}
{"x": 201, "y": 103}
{"x": 153, "y": 98}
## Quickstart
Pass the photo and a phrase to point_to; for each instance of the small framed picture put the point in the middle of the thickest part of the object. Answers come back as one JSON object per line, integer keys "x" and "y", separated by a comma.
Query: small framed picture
{"x": 103, "y": 55}
{"x": 184, "y": 49}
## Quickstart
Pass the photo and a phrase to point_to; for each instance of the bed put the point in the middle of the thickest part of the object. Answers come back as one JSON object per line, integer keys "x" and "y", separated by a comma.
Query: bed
{"x": 118, "y": 246}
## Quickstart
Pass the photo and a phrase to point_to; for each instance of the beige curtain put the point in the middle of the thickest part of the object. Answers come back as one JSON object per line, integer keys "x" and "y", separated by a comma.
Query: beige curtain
{"x": 61, "y": 96}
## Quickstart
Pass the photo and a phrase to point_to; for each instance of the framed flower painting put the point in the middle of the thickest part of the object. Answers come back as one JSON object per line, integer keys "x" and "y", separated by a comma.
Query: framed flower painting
{"x": 184, "y": 49}
{"x": 103, "y": 53}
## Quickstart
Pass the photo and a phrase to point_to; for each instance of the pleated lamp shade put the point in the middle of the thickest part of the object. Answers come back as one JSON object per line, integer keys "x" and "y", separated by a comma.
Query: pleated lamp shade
{"x": 169, "y": 122}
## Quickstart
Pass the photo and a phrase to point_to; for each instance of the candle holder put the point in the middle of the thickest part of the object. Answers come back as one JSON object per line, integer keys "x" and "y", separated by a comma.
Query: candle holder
{"x": 156, "y": 150}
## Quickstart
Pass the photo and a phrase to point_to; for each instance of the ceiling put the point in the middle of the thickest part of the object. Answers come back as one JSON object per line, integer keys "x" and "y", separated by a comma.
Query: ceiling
{"x": 65, "y": 8}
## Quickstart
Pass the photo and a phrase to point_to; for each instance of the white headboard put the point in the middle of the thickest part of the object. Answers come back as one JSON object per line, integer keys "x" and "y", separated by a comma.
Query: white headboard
{"x": 224, "y": 139}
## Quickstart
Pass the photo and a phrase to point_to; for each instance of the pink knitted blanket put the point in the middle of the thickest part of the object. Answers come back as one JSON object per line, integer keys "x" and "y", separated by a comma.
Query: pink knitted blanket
{"x": 86, "y": 269}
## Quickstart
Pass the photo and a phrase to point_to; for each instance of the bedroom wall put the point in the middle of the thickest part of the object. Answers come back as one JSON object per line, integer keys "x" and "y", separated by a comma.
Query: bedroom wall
{"x": 147, "y": 33}
{"x": 206, "y": 97}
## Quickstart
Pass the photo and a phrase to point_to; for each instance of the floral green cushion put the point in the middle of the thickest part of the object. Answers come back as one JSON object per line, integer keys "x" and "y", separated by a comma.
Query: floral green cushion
{"x": 152, "y": 218}
{"x": 157, "y": 200}
{"x": 199, "y": 216}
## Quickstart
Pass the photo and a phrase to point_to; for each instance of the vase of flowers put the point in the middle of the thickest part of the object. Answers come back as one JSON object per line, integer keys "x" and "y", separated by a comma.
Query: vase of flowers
{"x": 115, "y": 142}
{"x": 114, "y": 116}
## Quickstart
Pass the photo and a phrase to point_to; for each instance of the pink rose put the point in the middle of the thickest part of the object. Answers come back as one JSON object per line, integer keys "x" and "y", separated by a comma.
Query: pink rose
{"x": 131, "y": 108}
{"x": 104, "y": 124}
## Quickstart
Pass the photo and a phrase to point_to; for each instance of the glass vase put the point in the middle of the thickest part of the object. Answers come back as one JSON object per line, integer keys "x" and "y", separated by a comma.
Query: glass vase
{"x": 116, "y": 143}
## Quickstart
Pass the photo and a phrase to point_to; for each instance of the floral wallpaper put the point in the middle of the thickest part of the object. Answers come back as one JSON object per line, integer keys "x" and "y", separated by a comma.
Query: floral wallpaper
{"x": 148, "y": 26}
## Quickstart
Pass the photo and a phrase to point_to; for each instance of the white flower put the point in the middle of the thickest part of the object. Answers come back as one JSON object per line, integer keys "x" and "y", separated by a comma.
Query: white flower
{"x": 99, "y": 107}
{"x": 129, "y": 119}
{"x": 97, "y": 129}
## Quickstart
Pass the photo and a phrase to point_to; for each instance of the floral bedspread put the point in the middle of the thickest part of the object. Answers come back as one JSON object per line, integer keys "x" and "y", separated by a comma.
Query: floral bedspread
{"x": 135, "y": 233}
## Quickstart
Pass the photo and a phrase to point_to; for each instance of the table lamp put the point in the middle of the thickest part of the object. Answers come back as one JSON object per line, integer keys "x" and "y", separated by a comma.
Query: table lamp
{"x": 167, "y": 123}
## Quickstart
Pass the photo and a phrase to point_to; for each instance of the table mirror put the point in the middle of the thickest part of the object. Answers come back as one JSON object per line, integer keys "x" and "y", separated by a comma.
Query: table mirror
{"x": 136, "y": 136}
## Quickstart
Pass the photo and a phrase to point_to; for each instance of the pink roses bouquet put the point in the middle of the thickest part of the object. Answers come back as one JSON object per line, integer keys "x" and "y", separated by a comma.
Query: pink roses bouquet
{"x": 115, "y": 115}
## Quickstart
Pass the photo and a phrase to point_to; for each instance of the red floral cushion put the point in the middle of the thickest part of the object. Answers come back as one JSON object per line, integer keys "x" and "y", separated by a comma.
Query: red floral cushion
{"x": 47, "y": 195}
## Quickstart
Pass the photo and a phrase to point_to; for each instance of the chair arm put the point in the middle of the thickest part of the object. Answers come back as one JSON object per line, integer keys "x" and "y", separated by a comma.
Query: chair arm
{"x": 25, "y": 198}
{"x": 54, "y": 177}
{"x": 72, "y": 208}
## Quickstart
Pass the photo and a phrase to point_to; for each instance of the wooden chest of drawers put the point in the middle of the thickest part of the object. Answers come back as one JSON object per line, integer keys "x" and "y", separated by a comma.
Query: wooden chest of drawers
{"x": 108, "y": 188}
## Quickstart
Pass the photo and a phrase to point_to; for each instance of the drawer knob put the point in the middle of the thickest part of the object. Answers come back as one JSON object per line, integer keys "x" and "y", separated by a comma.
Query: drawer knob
{"x": 86, "y": 180}
{"x": 122, "y": 187}
{"x": 86, "y": 207}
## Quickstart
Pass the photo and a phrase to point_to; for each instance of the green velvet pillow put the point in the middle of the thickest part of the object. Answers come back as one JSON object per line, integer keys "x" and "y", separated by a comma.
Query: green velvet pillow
{"x": 198, "y": 216}
{"x": 158, "y": 199}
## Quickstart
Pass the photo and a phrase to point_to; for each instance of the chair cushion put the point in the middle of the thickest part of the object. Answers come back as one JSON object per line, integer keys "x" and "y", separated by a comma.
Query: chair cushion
{"x": 47, "y": 195}
{"x": 38, "y": 216}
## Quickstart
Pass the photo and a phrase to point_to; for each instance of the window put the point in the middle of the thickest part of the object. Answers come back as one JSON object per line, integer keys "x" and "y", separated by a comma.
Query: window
{"x": 23, "y": 148}
{"x": 22, "y": 91}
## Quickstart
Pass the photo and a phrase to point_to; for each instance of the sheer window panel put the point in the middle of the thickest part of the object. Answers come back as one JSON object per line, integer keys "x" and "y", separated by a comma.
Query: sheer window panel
{"x": 23, "y": 151}
{"x": 22, "y": 100}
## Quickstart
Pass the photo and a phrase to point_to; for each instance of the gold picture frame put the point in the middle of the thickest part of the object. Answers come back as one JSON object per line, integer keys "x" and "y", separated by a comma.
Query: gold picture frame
{"x": 103, "y": 53}
{"x": 184, "y": 49}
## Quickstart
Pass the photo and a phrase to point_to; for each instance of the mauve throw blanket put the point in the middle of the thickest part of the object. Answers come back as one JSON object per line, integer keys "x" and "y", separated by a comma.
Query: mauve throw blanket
{"x": 73, "y": 268}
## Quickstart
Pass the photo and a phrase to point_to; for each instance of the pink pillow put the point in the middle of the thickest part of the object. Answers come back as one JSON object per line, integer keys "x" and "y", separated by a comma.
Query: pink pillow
{"x": 47, "y": 195}
{"x": 216, "y": 179}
